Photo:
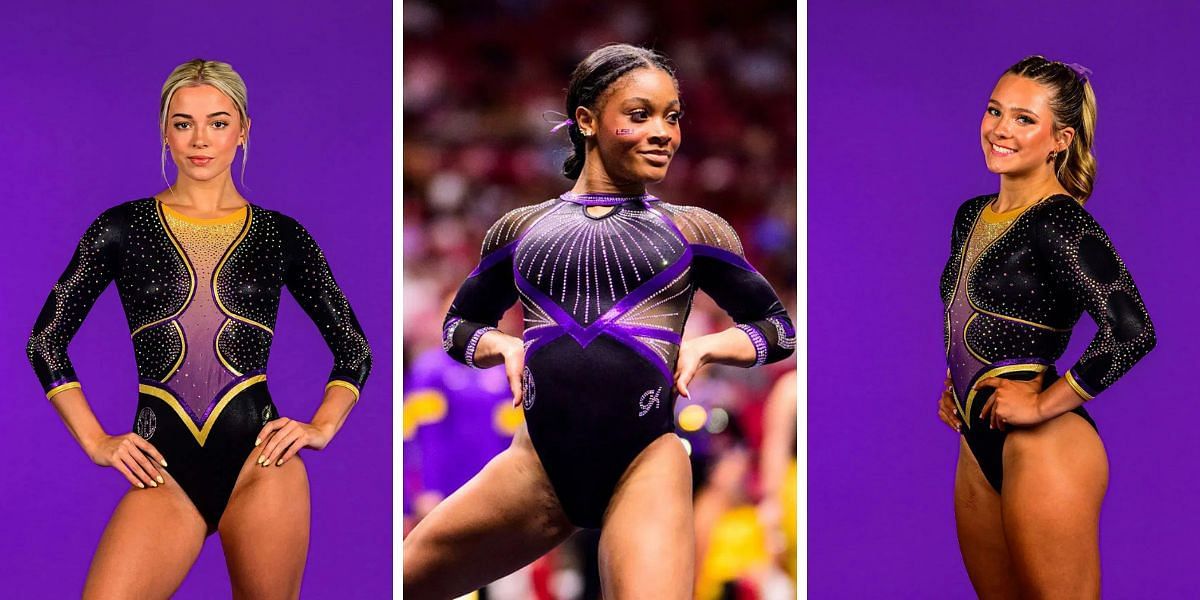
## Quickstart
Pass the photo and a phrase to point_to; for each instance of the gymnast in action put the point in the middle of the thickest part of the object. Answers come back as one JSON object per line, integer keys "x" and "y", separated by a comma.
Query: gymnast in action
{"x": 1024, "y": 265}
{"x": 605, "y": 273}
{"x": 199, "y": 271}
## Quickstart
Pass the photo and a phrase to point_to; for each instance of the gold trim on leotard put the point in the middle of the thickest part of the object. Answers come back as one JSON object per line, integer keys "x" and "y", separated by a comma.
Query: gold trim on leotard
{"x": 345, "y": 384}
{"x": 58, "y": 389}
{"x": 201, "y": 434}
{"x": 1035, "y": 367}
{"x": 1078, "y": 388}
{"x": 186, "y": 263}
{"x": 217, "y": 273}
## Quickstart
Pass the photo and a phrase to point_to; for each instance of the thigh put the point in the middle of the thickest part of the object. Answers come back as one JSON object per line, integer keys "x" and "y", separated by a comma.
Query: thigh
{"x": 502, "y": 519}
{"x": 153, "y": 538}
{"x": 980, "y": 527}
{"x": 1055, "y": 477}
{"x": 264, "y": 530}
{"x": 647, "y": 544}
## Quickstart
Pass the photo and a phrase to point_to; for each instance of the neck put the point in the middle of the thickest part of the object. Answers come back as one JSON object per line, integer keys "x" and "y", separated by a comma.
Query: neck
{"x": 595, "y": 179}
{"x": 1017, "y": 191}
{"x": 205, "y": 196}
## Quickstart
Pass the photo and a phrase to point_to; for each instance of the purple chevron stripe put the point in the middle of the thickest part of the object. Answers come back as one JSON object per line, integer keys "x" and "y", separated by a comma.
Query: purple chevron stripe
{"x": 723, "y": 256}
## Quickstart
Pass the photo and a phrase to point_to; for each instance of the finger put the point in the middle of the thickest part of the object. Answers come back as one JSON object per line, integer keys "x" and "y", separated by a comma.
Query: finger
{"x": 513, "y": 370}
{"x": 292, "y": 449}
{"x": 288, "y": 441}
{"x": 270, "y": 427}
{"x": 149, "y": 449}
{"x": 992, "y": 382}
{"x": 686, "y": 373}
{"x": 144, "y": 462}
{"x": 987, "y": 407}
{"x": 269, "y": 446}
{"x": 997, "y": 410}
{"x": 139, "y": 473}
{"x": 120, "y": 466}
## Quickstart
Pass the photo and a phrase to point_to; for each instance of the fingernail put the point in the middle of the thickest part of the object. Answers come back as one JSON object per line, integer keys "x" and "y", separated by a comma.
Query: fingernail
{"x": 141, "y": 485}
{"x": 279, "y": 463}
{"x": 257, "y": 441}
{"x": 160, "y": 479}
{"x": 152, "y": 484}
{"x": 164, "y": 462}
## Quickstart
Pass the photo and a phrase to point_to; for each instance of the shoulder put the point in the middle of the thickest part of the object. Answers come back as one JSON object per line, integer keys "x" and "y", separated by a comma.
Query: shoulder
{"x": 702, "y": 226}
{"x": 1062, "y": 213}
{"x": 967, "y": 211}
{"x": 513, "y": 223}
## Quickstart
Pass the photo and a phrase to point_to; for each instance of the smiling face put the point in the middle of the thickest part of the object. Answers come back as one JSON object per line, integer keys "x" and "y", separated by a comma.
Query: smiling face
{"x": 636, "y": 129}
{"x": 1017, "y": 132}
{"x": 203, "y": 132}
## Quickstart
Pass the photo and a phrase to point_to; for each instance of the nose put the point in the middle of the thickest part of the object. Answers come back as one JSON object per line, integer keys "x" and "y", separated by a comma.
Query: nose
{"x": 1001, "y": 128}
{"x": 661, "y": 133}
{"x": 200, "y": 138}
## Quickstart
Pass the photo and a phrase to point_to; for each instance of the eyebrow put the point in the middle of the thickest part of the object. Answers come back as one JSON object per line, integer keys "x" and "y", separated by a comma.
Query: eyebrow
{"x": 1016, "y": 108}
{"x": 674, "y": 102}
{"x": 211, "y": 115}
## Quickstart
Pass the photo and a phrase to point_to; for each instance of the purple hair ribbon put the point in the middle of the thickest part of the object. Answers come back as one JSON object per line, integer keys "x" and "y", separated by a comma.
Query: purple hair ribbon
{"x": 1082, "y": 72}
{"x": 562, "y": 124}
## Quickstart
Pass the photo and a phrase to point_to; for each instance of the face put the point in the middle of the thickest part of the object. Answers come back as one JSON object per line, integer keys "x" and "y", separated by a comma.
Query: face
{"x": 637, "y": 126}
{"x": 1017, "y": 132}
{"x": 203, "y": 132}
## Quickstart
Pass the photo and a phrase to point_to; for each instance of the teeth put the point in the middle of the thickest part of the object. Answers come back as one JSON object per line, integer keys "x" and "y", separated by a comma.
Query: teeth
{"x": 1002, "y": 150}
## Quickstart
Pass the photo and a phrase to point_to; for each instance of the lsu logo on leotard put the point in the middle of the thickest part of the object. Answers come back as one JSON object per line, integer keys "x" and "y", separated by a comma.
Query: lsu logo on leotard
{"x": 146, "y": 424}
{"x": 649, "y": 400}
{"x": 527, "y": 388}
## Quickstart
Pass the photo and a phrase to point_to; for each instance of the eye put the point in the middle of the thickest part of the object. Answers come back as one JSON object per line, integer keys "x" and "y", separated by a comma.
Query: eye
{"x": 995, "y": 112}
{"x": 181, "y": 125}
{"x": 639, "y": 115}
{"x": 674, "y": 118}
{"x": 220, "y": 124}
{"x": 1026, "y": 120}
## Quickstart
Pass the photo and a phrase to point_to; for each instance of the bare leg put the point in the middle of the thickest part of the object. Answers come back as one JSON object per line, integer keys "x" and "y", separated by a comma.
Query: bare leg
{"x": 1055, "y": 477}
{"x": 977, "y": 514}
{"x": 647, "y": 545}
{"x": 151, "y": 541}
{"x": 264, "y": 530}
{"x": 502, "y": 519}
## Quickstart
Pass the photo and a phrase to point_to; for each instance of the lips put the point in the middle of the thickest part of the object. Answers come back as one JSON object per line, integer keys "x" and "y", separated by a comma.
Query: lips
{"x": 660, "y": 157}
{"x": 998, "y": 150}
{"x": 200, "y": 161}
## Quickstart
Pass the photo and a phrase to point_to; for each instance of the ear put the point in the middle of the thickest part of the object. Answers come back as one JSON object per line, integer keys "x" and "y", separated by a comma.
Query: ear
{"x": 1063, "y": 139}
{"x": 246, "y": 131}
{"x": 585, "y": 119}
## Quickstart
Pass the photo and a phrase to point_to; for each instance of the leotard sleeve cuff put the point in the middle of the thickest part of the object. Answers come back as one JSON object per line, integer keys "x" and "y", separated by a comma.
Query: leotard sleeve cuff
{"x": 60, "y": 386}
{"x": 1084, "y": 390}
{"x": 469, "y": 354}
{"x": 759, "y": 341}
{"x": 346, "y": 384}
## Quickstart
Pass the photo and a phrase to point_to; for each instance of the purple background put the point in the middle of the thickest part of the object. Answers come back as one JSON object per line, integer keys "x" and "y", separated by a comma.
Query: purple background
{"x": 79, "y": 134}
{"x": 896, "y": 94}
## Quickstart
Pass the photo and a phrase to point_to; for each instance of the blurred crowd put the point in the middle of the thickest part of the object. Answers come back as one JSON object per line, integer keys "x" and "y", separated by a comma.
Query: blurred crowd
{"x": 479, "y": 80}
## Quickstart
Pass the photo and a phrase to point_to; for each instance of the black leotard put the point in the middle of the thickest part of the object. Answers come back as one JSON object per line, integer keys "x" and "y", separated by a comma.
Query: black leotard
{"x": 605, "y": 300}
{"x": 200, "y": 297}
{"x": 1014, "y": 287}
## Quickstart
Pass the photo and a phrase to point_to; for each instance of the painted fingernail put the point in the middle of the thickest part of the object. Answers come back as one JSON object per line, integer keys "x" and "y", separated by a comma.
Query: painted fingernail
{"x": 141, "y": 485}
{"x": 160, "y": 479}
{"x": 152, "y": 484}
{"x": 279, "y": 463}
{"x": 163, "y": 461}
{"x": 257, "y": 441}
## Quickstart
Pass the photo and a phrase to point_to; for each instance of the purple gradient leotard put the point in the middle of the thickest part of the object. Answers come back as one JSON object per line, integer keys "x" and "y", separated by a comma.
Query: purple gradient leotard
{"x": 605, "y": 301}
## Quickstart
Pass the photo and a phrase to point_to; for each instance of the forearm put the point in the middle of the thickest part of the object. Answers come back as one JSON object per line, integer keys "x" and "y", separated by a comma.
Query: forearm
{"x": 334, "y": 409}
{"x": 1058, "y": 399}
{"x": 729, "y": 347}
{"x": 490, "y": 349}
{"x": 75, "y": 412}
